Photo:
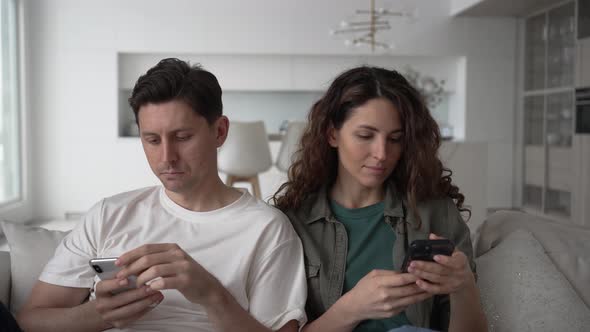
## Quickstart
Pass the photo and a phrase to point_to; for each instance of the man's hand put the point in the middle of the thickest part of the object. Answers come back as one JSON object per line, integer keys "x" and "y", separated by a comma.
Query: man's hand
{"x": 167, "y": 266}
{"x": 446, "y": 275}
{"x": 124, "y": 308}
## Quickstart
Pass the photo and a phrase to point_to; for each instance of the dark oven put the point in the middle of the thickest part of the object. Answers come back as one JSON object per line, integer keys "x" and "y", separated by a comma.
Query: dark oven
{"x": 583, "y": 111}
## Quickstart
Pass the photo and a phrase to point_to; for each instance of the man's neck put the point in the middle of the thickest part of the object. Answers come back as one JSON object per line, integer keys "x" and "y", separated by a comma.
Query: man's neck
{"x": 215, "y": 196}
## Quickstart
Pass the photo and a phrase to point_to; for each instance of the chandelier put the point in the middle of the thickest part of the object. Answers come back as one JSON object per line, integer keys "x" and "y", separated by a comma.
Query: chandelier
{"x": 365, "y": 25}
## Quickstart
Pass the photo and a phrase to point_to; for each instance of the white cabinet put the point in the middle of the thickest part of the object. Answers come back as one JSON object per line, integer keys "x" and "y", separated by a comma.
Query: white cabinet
{"x": 583, "y": 63}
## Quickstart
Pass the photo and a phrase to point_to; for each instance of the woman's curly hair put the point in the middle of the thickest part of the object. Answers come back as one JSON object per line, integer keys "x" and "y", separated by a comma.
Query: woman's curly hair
{"x": 418, "y": 176}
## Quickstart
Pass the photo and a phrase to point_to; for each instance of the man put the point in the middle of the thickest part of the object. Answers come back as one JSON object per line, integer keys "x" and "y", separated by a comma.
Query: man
{"x": 207, "y": 257}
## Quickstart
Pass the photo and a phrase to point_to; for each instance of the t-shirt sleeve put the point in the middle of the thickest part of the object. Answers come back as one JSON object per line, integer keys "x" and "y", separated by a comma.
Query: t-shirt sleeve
{"x": 277, "y": 287}
{"x": 69, "y": 265}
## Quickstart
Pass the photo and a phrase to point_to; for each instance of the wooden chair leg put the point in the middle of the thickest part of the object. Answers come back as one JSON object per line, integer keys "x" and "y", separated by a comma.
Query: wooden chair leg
{"x": 230, "y": 180}
{"x": 256, "y": 186}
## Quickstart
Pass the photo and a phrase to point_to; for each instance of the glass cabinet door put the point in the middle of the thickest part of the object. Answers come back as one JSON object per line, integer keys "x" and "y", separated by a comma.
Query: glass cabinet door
{"x": 560, "y": 124}
{"x": 561, "y": 46}
{"x": 558, "y": 203}
{"x": 534, "y": 161}
{"x": 533, "y": 197}
{"x": 548, "y": 109}
{"x": 533, "y": 120}
{"x": 534, "y": 76}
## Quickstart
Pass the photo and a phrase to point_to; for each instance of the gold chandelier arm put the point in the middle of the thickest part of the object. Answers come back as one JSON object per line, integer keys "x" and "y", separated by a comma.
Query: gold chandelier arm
{"x": 375, "y": 22}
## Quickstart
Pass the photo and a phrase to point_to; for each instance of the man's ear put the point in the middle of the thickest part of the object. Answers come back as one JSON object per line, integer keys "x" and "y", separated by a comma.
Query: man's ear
{"x": 221, "y": 130}
{"x": 332, "y": 136}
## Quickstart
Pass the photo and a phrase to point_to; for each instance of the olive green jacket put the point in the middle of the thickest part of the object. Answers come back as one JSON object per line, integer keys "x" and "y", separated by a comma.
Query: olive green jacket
{"x": 325, "y": 245}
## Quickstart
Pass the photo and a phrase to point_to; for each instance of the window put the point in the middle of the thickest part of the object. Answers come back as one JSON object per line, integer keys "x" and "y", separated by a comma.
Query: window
{"x": 10, "y": 156}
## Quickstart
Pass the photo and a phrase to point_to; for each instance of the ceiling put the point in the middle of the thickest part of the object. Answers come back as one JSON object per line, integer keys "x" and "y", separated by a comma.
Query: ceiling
{"x": 516, "y": 8}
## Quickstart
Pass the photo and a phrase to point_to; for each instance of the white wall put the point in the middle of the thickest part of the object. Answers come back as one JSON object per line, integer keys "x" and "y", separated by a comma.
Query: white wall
{"x": 73, "y": 91}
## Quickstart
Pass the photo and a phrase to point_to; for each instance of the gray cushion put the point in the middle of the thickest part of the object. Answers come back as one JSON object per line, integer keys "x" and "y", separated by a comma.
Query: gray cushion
{"x": 30, "y": 249}
{"x": 522, "y": 290}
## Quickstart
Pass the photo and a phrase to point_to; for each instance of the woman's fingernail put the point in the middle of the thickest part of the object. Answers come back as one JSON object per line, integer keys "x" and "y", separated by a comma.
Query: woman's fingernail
{"x": 123, "y": 282}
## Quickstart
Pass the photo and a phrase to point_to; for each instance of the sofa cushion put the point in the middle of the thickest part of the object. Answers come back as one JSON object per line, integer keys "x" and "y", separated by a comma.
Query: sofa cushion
{"x": 566, "y": 244}
{"x": 522, "y": 290}
{"x": 30, "y": 249}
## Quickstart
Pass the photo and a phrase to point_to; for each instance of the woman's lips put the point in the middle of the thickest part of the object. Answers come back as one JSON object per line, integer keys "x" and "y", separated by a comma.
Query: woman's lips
{"x": 376, "y": 169}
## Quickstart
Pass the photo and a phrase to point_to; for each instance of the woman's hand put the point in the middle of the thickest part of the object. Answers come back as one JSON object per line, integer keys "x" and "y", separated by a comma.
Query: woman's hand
{"x": 446, "y": 275}
{"x": 381, "y": 294}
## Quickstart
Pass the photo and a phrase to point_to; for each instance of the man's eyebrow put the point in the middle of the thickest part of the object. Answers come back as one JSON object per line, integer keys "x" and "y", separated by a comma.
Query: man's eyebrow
{"x": 149, "y": 133}
{"x": 182, "y": 129}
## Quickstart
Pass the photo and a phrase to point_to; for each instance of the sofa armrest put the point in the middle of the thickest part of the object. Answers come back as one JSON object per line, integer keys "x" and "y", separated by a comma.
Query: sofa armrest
{"x": 5, "y": 281}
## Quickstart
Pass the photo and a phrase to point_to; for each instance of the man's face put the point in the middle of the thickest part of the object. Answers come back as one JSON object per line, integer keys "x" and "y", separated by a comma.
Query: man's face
{"x": 180, "y": 146}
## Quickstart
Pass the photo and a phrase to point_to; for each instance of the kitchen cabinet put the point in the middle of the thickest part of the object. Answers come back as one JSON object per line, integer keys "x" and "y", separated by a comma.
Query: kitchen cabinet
{"x": 548, "y": 105}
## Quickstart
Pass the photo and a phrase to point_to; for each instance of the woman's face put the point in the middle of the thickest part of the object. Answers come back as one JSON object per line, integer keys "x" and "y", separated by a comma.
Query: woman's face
{"x": 369, "y": 144}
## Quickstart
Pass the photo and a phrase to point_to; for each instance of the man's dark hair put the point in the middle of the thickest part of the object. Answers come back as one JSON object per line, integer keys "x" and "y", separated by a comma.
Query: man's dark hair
{"x": 174, "y": 79}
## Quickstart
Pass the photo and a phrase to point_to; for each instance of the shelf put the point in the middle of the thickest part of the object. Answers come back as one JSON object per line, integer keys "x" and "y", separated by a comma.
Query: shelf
{"x": 273, "y": 107}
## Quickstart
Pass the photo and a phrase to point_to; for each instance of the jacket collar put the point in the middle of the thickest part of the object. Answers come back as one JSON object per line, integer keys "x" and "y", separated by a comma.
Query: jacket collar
{"x": 317, "y": 205}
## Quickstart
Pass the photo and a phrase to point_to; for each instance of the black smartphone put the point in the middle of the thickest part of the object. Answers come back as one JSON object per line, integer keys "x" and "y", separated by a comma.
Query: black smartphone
{"x": 425, "y": 250}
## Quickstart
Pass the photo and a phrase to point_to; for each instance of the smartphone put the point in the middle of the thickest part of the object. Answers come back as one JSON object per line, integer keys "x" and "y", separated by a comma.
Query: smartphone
{"x": 425, "y": 250}
{"x": 106, "y": 269}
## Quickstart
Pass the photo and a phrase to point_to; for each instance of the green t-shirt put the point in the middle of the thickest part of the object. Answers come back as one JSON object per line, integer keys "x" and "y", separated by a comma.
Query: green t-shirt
{"x": 370, "y": 247}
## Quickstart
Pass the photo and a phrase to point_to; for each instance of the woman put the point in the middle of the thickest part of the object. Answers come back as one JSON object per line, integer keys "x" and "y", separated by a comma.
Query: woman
{"x": 367, "y": 181}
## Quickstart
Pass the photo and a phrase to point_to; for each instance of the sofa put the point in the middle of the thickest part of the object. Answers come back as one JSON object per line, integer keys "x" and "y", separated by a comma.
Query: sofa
{"x": 533, "y": 273}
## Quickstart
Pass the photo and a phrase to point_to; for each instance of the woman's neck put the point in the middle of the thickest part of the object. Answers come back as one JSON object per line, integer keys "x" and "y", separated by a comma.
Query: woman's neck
{"x": 354, "y": 195}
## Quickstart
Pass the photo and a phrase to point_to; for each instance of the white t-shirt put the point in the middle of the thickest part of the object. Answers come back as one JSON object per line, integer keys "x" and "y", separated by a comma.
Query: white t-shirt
{"x": 250, "y": 247}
